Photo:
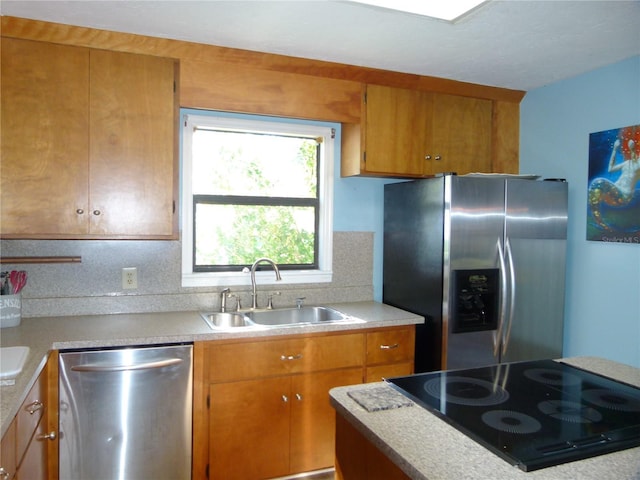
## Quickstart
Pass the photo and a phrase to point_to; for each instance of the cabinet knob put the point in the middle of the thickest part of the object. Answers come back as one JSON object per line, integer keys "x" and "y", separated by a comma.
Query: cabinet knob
{"x": 96, "y": 212}
{"x": 427, "y": 157}
{"x": 285, "y": 399}
{"x": 438, "y": 157}
{"x": 79, "y": 211}
{"x": 48, "y": 436}
{"x": 290, "y": 357}
{"x": 298, "y": 397}
{"x": 34, "y": 407}
{"x": 4, "y": 475}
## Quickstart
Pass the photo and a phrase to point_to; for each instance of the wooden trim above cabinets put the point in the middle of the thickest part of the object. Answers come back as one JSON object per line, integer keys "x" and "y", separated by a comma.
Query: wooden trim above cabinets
{"x": 200, "y": 53}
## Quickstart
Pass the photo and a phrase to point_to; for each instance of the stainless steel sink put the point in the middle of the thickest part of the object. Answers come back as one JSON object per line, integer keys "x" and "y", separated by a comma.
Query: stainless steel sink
{"x": 281, "y": 317}
{"x": 297, "y": 316}
{"x": 226, "y": 319}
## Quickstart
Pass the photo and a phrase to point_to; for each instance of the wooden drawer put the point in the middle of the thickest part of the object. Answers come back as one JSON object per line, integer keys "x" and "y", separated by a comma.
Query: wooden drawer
{"x": 380, "y": 372}
{"x": 30, "y": 413}
{"x": 391, "y": 345}
{"x": 8, "y": 453}
{"x": 239, "y": 361}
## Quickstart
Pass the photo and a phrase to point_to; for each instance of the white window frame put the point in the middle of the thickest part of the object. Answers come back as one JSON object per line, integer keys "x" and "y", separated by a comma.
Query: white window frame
{"x": 324, "y": 272}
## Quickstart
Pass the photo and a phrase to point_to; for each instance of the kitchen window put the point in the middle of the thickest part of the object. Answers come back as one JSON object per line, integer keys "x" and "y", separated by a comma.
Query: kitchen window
{"x": 255, "y": 187}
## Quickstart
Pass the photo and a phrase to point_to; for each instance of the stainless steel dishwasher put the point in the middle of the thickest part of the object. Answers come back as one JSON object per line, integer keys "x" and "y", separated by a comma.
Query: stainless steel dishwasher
{"x": 126, "y": 413}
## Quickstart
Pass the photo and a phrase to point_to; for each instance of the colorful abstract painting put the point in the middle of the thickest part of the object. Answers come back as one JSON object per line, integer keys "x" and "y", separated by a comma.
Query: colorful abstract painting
{"x": 613, "y": 203}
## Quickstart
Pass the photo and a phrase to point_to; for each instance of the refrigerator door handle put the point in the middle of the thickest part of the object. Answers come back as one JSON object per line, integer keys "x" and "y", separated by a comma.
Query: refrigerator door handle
{"x": 512, "y": 295}
{"x": 497, "y": 335}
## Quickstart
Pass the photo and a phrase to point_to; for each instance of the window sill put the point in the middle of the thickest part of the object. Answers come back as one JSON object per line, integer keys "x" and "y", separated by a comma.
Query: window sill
{"x": 289, "y": 277}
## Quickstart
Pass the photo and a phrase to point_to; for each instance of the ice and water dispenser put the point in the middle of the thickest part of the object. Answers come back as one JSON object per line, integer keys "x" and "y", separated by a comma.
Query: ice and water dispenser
{"x": 476, "y": 295}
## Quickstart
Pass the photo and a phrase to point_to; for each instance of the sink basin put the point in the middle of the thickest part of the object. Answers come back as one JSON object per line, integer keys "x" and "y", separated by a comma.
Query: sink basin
{"x": 296, "y": 316}
{"x": 281, "y": 317}
{"x": 226, "y": 319}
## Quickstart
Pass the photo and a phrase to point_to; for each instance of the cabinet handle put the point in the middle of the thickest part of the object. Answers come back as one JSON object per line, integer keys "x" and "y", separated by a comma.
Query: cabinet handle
{"x": 97, "y": 212}
{"x": 298, "y": 397}
{"x": 34, "y": 407}
{"x": 4, "y": 475}
{"x": 290, "y": 357}
{"x": 48, "y": 436}
{"x": 285, "y": 399}
{"x": 389, "y": 347}
{"x": 437, "y": 157}
{"x": 79, "y": 211}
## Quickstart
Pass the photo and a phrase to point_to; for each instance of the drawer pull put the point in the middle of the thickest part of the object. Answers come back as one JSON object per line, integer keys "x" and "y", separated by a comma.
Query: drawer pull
{"x": 34, "y": 407}
{"x": 389, "y": 347}
{"x": 48, "y": 436}
{"x": 290, "y": 357}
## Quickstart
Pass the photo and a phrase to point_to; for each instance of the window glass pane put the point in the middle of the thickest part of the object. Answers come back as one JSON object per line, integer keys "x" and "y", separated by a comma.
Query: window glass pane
{"x": 254, "y": 164}
{"x": 238, "y": 234}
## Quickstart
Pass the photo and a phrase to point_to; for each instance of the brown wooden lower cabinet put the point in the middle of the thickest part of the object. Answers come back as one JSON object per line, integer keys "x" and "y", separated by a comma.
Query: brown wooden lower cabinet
{"x": 274, "y": 427}
{"x": 358, "y": 459}
{"x": 261, "y": 406}
{"x": 29, "y": 449}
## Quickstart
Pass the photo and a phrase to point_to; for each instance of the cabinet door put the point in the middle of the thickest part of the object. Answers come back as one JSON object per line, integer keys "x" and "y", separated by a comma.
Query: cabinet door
{"x": 45, "y": 142}
{"x": 8, "y": 452}
{"x": 460, "y": 135}
{"x": 249, "y": 429}
{"x": 132, "y": 136}
{"x": 34, "y": 463}
{"x": 313, "y": 418}
{"x": 396, "y": 130}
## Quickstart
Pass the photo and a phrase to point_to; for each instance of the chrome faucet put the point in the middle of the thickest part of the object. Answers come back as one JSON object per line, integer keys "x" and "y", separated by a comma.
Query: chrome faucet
{"x": 223, "y": 299}
{"x": 254, "y": 295}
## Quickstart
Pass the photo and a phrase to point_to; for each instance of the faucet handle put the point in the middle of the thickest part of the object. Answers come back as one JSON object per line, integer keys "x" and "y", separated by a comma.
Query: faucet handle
{"x": 270, "y": 300}
{"x": 238, "y": 301}
{"x": 300, "y": 301}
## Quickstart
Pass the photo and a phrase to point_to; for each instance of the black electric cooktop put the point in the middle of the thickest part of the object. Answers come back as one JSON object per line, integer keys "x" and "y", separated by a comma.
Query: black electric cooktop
{"x": 532, "y": 414}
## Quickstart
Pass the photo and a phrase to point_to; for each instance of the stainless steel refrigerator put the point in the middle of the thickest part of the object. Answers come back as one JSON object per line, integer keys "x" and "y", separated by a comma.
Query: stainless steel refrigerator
{"x": 482, "y": 258}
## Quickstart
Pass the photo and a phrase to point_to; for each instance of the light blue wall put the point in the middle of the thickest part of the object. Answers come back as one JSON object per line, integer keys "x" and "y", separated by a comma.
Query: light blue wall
{"x": 359, "y": 206}
{"x": 603, "y": 279}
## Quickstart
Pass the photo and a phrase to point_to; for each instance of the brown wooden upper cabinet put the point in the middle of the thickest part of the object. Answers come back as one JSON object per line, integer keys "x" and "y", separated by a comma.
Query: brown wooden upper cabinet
{"x": 413, "y": 133}
{"x": 89, "y": 144}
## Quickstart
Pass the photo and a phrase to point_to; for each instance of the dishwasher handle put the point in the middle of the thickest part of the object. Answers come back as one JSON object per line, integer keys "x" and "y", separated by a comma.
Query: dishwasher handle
{"x": 93, "y": 367}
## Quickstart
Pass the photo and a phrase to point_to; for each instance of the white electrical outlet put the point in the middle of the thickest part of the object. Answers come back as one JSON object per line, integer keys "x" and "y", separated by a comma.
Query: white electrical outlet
{"x": 129, "y": 278}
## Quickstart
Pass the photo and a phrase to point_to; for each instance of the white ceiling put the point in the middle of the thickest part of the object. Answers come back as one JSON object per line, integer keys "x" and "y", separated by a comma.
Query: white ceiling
{"x": 518, "y": 44}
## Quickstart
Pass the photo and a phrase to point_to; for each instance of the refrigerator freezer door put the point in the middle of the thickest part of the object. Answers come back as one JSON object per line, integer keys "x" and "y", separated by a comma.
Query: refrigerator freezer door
{"x": 536, "y": 229}
{"x": 473, "y": 235}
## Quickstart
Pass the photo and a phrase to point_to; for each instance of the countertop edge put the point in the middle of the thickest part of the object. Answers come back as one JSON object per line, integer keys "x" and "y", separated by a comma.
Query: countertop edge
{"x": 45, "y": 334}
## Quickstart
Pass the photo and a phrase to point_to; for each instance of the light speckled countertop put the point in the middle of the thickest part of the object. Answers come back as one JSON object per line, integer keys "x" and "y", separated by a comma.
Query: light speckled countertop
{"x": 44, "y": 334}
{"x": 427, "y": 448}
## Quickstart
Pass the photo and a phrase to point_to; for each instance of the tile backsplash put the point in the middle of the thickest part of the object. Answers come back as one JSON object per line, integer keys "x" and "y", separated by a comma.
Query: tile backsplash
{"x": 94, "y": 286}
